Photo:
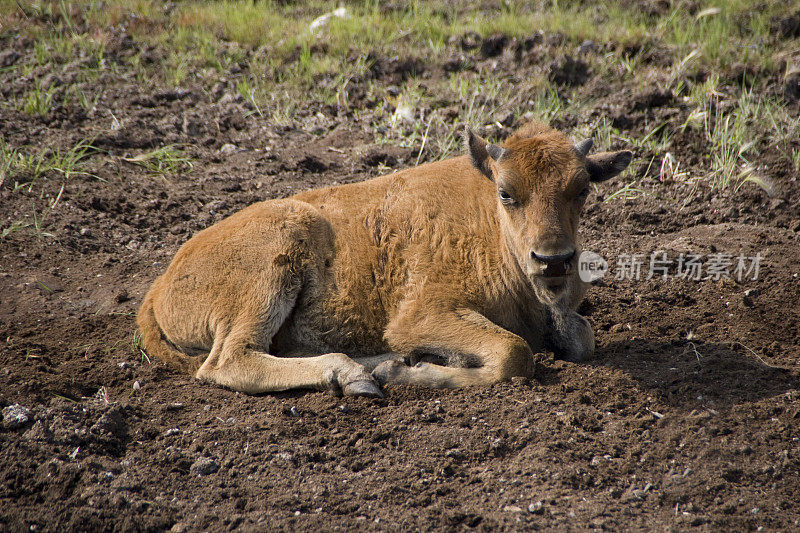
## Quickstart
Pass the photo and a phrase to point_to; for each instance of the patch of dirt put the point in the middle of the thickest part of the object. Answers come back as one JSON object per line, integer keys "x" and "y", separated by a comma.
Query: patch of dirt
{"x": 687, "y": 417}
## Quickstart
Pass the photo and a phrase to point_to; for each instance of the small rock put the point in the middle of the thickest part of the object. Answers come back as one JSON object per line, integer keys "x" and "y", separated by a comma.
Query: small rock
{"x": 227, "y": 149}
{"x": 204, "y": 466}
{"x": 536, "y": 508}
{"x": 121, "y": 296}
{"x": 751, "y": 293}
{"x": 512, "y": 509}
{"x": 136, "y": 385}
{"x": 15, "y": 416}
{"x": 86, "y": 232}
{"x": 344, "y": 409}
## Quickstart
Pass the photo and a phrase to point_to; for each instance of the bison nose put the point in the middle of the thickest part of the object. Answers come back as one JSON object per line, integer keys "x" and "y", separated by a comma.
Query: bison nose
{"x": 554, "y": 265}
{"x": 553, "y": 259}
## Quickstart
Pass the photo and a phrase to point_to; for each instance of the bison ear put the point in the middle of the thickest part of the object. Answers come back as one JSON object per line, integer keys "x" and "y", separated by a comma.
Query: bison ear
{"x": 584, "y": 146}
{"x": 481, "y": 151}
{"x": 606, "y": 165}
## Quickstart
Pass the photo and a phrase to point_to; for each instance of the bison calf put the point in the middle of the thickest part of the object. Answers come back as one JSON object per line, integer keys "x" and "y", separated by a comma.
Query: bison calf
{"x": 462, "y": 268}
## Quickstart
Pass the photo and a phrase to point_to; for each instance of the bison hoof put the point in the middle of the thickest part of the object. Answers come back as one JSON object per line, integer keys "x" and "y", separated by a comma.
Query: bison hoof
{"x": 390, "y": 372}
{"x": 363, "y": 387}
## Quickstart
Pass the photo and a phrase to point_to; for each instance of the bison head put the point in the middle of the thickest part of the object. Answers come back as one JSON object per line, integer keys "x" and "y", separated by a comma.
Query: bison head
{"x": 542, "y": 182}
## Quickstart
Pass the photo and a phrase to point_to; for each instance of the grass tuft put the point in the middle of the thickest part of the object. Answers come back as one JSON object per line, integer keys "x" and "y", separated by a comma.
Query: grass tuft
{"x": 170, "y": 159}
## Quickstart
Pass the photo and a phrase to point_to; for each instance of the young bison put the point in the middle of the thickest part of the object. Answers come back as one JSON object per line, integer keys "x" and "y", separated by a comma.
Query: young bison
{"x": 463, "y": 268}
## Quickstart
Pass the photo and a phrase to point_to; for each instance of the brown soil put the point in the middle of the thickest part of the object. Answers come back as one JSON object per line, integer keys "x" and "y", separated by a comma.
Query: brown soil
{"x": 688, "y": 416}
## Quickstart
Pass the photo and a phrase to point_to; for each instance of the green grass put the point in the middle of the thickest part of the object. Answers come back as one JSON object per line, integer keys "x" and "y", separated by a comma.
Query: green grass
{"x": 12, "y": 228}
{"x": 26, "y": 168}
{"x": 35, "y": 228}
{"x": 170, "y": 159}
{"x": 628, "y": 192}
{"x": 268, "y": 55}
{"x": 39, "y": 101}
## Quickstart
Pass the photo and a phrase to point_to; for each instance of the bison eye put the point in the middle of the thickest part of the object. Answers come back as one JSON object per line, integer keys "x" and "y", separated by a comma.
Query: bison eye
{"x": 505, "y": 197}
{"x": 583, "y": 194}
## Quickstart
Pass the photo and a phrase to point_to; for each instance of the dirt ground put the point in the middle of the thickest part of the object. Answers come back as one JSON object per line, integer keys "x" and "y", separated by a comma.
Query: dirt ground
{"x": 689, "y": 416}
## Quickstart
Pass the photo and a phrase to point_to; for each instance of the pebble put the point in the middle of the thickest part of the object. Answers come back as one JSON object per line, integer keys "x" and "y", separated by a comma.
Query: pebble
{"x": 204, "y": 466}
{"x": 536, "y": 508}
{"x": 227, "y": 149}
{"x": 15, "y": 416}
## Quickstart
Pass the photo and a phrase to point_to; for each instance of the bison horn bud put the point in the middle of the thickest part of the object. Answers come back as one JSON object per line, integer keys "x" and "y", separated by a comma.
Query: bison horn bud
{"x": 495, "y": 152}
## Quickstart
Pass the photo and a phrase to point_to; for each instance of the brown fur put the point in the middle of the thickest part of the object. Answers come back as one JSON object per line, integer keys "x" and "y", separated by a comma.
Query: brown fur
{"x": 426, "y": 264}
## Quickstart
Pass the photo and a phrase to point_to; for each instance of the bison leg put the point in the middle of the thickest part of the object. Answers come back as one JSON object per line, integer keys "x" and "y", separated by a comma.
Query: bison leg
{"x": 370, "y": 362}
{"x": 570, "y": 335}
{"x": 235, "y": 366}
{"x": 463, "y": 336}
